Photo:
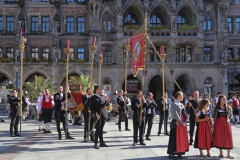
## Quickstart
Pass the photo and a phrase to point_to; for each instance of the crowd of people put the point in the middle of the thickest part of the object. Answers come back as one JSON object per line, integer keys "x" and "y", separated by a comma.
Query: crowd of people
{"x": 210, "y": 116}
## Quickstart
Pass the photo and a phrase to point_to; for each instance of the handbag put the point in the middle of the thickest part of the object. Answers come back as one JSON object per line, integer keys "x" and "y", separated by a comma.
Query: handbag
{"x": 173, "y": 124}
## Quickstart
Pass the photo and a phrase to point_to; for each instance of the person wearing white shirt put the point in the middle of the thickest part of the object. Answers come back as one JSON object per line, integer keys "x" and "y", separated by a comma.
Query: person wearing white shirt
{"x": 40, "y": 115}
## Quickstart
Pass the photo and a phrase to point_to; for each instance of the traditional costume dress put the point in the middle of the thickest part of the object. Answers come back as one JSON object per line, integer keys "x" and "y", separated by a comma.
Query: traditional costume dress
{"x": 222, "y": 134}
{"x": 178, "y": 139}
{"x": 203, "y": 133}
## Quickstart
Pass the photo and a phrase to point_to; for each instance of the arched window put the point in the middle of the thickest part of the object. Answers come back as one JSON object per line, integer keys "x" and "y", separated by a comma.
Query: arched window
{"x": 180, "y": 20}
{"x": 107, "y": 23}
{"x": 208, "y": 86}
{"x": 155, "y": 21}
{"x": 207, "y": 22}
{"x": 130, "y": 20}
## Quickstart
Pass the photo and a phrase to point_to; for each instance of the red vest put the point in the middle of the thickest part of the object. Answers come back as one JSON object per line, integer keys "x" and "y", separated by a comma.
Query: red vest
{"x": 47, "y": 105}
{"x": 235, "y": 102}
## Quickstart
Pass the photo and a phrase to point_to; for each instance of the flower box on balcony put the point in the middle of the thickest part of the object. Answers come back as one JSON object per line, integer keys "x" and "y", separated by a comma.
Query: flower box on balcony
{"x": 187, "y": 27}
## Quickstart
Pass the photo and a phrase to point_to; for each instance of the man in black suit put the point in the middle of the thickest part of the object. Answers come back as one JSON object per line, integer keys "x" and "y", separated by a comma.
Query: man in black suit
{"x": 191, "y": 107}
{"x": 59, "y": 100}
{"x": 122, "y": 102}
{"x": 96, "y": 105}
{"x": 85, "y": 101}
{"x": 150, "y": 114}
{"x": 138, "y": 102}
{"x": 162, "y": 112}
{"x": 14, "y": 102}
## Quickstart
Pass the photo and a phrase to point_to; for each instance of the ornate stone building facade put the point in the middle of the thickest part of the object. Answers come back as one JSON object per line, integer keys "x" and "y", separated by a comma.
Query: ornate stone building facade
{"x": 200, "y": 37}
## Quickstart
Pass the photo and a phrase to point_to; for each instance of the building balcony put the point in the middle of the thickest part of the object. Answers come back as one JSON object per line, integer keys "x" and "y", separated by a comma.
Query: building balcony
{"x": 187, "y": 33}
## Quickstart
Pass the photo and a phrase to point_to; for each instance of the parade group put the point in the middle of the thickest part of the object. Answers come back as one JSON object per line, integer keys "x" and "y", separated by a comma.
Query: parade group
{"x": 212, "y": 118}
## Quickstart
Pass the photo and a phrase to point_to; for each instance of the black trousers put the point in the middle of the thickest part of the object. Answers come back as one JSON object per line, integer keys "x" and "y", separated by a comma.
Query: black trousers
{"x": 99, "y": 128}
{"x": 14, "y": 123}
{"x": 161, "y": 119}
{"x": 60, "y": 117}
{"x": 86, "y": 118}
{"x": 192, "y": 126}
{"x": 47, "y": 115}
{"x": 149, "y": 121}
{"x": 136, "y": 127}
{"x": 122, "y": 114}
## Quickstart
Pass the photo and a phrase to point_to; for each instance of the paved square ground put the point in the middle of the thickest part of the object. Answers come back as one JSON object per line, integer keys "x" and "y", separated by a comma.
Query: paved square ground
{"x": 35, "y": 145}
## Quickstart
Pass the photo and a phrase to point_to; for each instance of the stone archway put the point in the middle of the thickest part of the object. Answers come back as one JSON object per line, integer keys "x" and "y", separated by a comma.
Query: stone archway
{"x": 155, "y": 86}
{"x": 184, "y": 84}
{"x": 69, "y": 75}
{"x": 6, "y": 84}
{"x": 133, "y": 85}
{"x": 234, "y": 85}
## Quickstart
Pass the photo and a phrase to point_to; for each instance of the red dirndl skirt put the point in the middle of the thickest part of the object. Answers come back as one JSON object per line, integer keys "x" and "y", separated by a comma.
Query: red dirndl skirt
{"x": 182, "y": 145}
{"x": 222, "y": 134}
{"x": 204, "y": 137}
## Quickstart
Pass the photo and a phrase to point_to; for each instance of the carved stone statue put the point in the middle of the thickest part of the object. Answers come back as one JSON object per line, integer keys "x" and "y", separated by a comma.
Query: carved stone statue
{"x": 56, "y": 54}
{"x": 173, "y": 5}
{"x": 173, "y": 22}
{"x": 57, "y": 28}
{"x": 224, "y": 55}
{"x": 17, "y": 55}
{"x": 56, "y": 40}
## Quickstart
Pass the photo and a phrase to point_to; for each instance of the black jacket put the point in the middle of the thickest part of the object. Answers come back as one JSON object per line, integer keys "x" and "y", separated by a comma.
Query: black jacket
{"x": 152, "y": 105}
{"x": 190, "y": 110}
{"x": 85, "y": 101}
{"x": 135, "y": 107}
{"x": 120, "y": 102}
{"x": 96, "y": 104}
{"x": 58, "y": 99}
{"x": 160, "y": 106}
{"x": 14, "y": 106}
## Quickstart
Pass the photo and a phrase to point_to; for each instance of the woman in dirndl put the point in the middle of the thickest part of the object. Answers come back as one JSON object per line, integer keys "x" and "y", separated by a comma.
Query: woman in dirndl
{"x": 203, "y": 137}
{"x": 222, "y": 134}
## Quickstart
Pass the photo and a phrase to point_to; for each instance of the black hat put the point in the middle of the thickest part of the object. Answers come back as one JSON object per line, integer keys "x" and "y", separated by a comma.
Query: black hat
{"x": 189, "y": 95}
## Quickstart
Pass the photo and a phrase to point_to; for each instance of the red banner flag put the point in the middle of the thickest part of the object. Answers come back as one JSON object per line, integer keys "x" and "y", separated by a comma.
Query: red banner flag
{"x": 138, "y": 49}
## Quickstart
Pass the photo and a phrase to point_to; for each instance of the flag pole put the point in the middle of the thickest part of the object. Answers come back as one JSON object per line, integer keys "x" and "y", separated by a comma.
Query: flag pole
{"x": 143, "y": 71}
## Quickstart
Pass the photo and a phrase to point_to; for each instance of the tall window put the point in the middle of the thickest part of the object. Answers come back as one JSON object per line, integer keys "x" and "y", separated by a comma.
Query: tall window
{"x": 177, "y": 58}
{"x": 1, "y": 54}
{"x": 155, "y": 21}
{"x": 130, "y": 20}
{"x": 207, "y": 54}
{"x": 238, "y": 24}
{"x": 34, "y": 0}
{"x": 208, "y": 86}
{"x": 207, "y": 22}
{"x": 80, "y": 25}
{"x": 151, "y": 55}
{"x": 230, "y": 24}
{"x": 70, "y": 24}
{"x": 34, "y": 24}
{"x": 124, "y": 56}
{"x": 45, "y": 53}
{"x": 1, "y": 23}
{"x": 9, "y": 51}
{"x": 81, "y": 53}
{"x": 80, "y": 1}
{"x": 107, "y": 54}
{"x": 34, "y": 53}
{"x": 230, "y": 53}
{"x": 189, "y": 55}
{"x": 45, "y": 24}
{"x": 107, "y": 25}
{"x": 180, "y": 21}
{"x": 184, "y": 54}
{"x": 72, "y": 54}
{"x": 45, "y": 0}
{"x": 70, "y": 0}
{"x": 10, "y": 23}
